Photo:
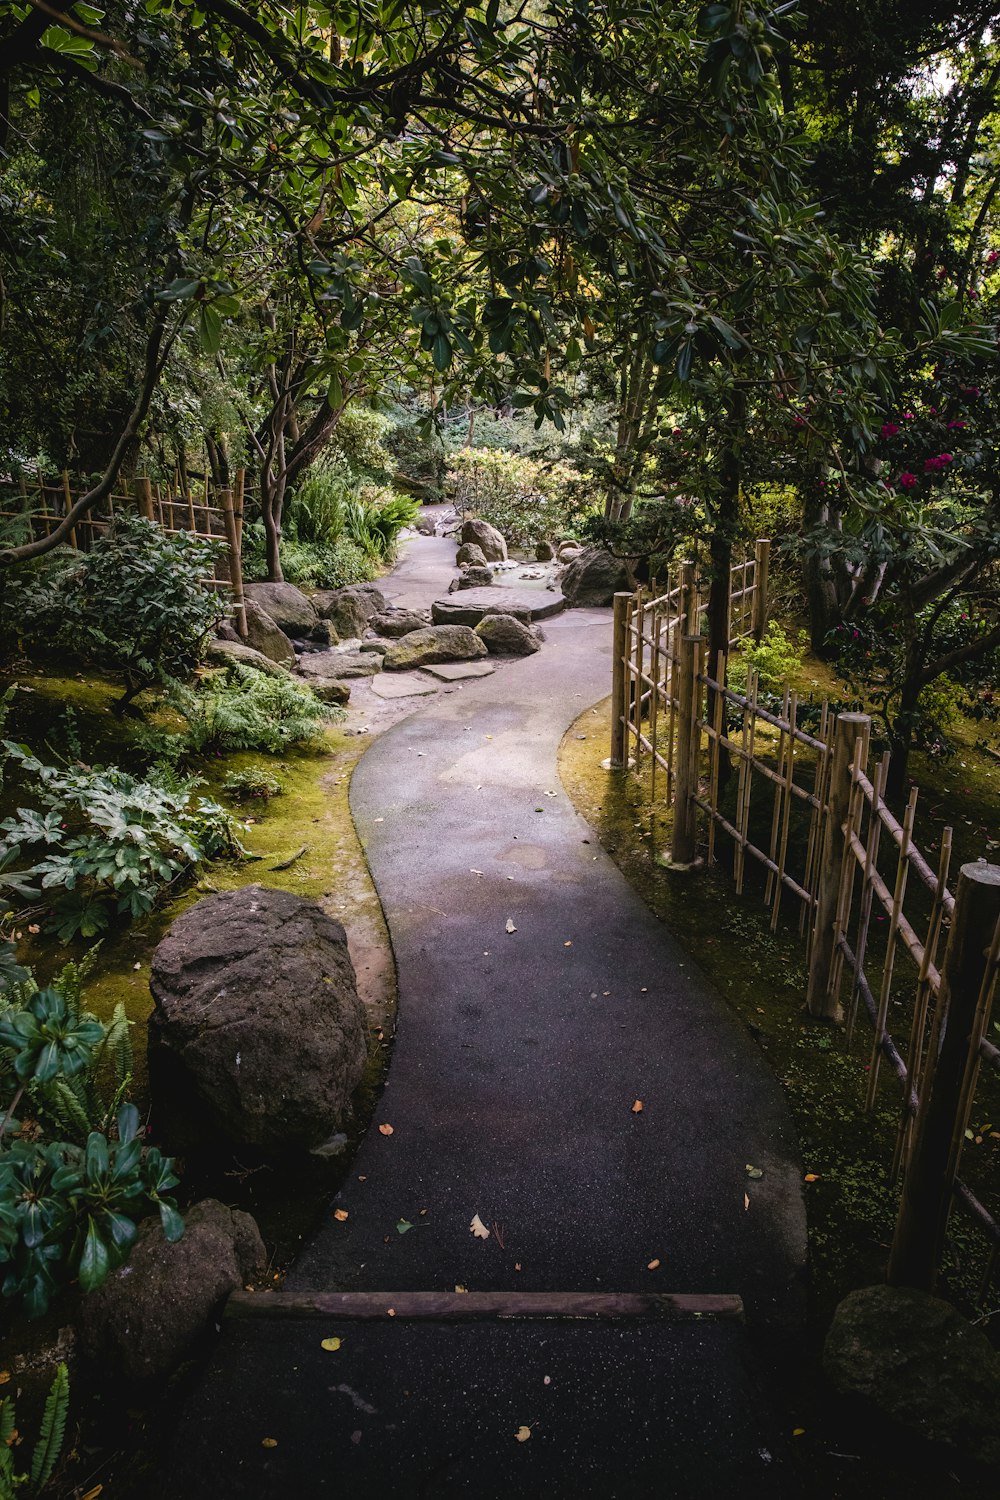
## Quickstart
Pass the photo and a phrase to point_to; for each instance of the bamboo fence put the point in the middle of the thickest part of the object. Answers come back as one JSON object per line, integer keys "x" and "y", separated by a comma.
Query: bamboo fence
{"x": 211, "y": 512}
{"x": 806, "y": 809}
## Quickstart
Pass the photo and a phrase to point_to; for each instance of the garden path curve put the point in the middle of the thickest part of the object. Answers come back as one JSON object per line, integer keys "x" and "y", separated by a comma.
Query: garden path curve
{"x": 539, "y": 999}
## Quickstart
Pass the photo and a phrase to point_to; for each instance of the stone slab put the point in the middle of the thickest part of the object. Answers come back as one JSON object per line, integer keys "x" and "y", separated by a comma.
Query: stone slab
{"x": 403, "y": 685}
{"x": 453, "y": 671}
{"x": 469, "y": 606}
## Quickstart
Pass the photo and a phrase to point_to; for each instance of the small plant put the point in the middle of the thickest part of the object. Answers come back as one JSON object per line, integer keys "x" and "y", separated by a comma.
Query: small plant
{"x": 241, "y": 709}
{"x": 68, "y": 1208}
{"x": 253, "y": 783}
{"x": 776, "y": 659}
{"x": 100, "y": 843}
{"x": 48, "y": 1448}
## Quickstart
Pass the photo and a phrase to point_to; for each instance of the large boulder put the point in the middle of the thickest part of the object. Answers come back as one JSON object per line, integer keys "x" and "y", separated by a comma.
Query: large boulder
{"x": 469, "y": 556}
{"x": 486, "y": 537}
{"x": 916, "y": 1360}
{"x": 349, "y": 609}
{"x": 398, "y": 622}
{"x": 566, "y": 551}
{"x": 288, "y": 607}
{"x": 220, "y": 653}
{"x": 150, "y": 1314}
{"x": 475, "y": 577}
{"x": 468, "y": 608}
{"x": 544, "y": 552}
{"x": 258, "y": 1034}
{"x": 332, "y": 666}
{"x": 593, "y": 578}
{"x": 264, "y": 636}
{"x": 435, "y": 643}
{"x": 506, "y": 636}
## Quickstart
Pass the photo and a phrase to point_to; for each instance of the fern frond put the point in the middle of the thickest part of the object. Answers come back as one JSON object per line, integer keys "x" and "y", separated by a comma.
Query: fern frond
{"x": 8, "y": 1420}
{"x": 53, "y": 1429}
{"x": 68, "y": 1108}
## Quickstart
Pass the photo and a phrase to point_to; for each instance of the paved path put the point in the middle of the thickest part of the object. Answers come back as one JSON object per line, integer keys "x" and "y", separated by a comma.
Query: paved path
{"x": 518, "y": 1061}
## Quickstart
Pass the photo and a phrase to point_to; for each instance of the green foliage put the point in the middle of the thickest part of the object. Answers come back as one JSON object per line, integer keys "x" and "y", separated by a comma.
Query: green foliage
{"x": 98, "y": 843}
{"x": 310, "y": 565}
{"x": 48, "y": 1448}
{"x": 239, "y": 708}
{"x": 136, "y": 604}
{"x": 526, "y": 499}
{"x": 68, "y": 1207}
{"x": 375, "y": 518}
{"x": 253, "y": 783}
{"x": 776, "y": 659}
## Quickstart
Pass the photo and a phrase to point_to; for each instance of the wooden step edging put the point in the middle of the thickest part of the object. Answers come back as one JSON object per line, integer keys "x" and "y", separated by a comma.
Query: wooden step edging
{"x": 473, "y": 1307}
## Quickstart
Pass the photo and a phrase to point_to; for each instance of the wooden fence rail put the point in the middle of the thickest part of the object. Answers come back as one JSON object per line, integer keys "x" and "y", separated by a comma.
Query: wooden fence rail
{"x": 809, "y": 812}
{"x": 40, "y": 504}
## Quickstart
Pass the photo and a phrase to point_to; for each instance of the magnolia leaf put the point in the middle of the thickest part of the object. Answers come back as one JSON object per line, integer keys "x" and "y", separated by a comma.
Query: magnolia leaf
{"x": 403, "y": 1226}
{"x": 523, "y": 1434}
{"x": 331, "y": 1345}
{"x": 638, "y": 1107}
{"x": 478, "y": 1228}
{"x": 385, "y": 1130}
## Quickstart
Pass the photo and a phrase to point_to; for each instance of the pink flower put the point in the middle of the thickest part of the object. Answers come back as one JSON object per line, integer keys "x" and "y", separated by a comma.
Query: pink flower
{"x": 889, "y": 429}
{"x": 933, "y": 410}
{"x": 799, "y": 421}
{"x": 906, "y": 480}
{"x": 993, "y": 257}
{"x": 941, "y": 462}
{"x": 956, "y": 424}
{"x": 971, "y": 390}
{"x": 907, "y": 416}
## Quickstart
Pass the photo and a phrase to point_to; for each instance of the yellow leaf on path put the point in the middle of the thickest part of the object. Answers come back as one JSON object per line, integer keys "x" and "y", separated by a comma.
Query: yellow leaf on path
{"x": 797, "y": 1431}
{"x": 523, "y": 1434}
{"x": 461, "y": 1288}
{"x": 638, "y": 1107}
{"x": 330, "y": 1345}
{"x": 478, "y": 1228}
{"x": 340, "y": 1214}
{"x": 811, "y": 1177}
{"x": 269, "y": 1442}
{"x": 93, "y": 1494}
{"x": 653, "y": 1264}
{"x": 385, "y": 1130}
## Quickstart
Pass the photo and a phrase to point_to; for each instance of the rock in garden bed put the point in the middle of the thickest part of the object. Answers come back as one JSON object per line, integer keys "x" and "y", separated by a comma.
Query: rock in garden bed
{"x": 263, "y": 635}
{"x": 149, "y": 1315}
{"x": 486, "y": 537}
{"x": 469, "y": 555}
{"x": 400, "y": 622}
{"x": 915, "y": 1360}
{"x": 330, "y": 666}
{"x": 287, "y": 606}
{"x": 474, "y": 577}
{"x": 592, "y": 578}
{"x": 219, "y": 653}
{"x": 435, "y": 643}
{"x": 349, "y": 609}
{"x": 506, "y": 636}
{"x": 258, "y": 1034}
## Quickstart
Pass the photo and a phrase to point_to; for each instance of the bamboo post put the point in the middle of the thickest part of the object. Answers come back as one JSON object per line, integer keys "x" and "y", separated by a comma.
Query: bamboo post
{"x": 683, "y": 845}
{"x": 68, "y": 500}
{"x": 946, "y": 1099}
{"x": 619, "y": 701}
{"x": 241, "y": 482}
{"x": 145, "y": 497}
{"x": 762, "y": 562}
{"x": 235, "y": 563}
{"x": 820, "y": 997}
{"x": 689, "y": 599}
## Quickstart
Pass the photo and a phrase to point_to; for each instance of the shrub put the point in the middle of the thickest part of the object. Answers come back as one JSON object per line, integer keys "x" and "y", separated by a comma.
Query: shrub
{"x": 375, "y": 518}
{"x": 242, "y": 709}
{"x": 136, "y": 605}
{"x": 253, "y": 783}
{"x": 68, "y": 1212}
{"x": 99, "y": 843}
{"x": 776, "y": 659}
{"x": 310, "y": 565}
{"x": 526, "y": 499}
{"x": 48, "y": 1448}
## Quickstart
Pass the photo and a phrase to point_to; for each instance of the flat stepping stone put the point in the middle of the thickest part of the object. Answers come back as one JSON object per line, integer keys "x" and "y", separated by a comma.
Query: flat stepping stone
{"x": 453, "y": 671}
{"x": 331, "y": 665}
{"x": 469, "y": 606}
{"x": 402, "y": 685}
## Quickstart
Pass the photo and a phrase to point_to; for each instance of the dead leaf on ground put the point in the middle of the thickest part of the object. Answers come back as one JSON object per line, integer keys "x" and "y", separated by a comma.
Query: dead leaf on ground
{"x": 510, "y": 925}
{"x": 340, "y": 1214}
{"x": 653, "y": 1265}
{"x": 523, "y": 1434}
{"x": 638, "y": 1107}
{"x": 385, "y": 1130}
{"x": 269, "y": 1442}
{"x": 461, "y": 1288}
{"x": 478, "y": 1228}
{"x": 746, "y": 1201}
{"x": 330, "y": 1345}
{"x": 754, "y": 1172}
{"x": 811, "y": 1177}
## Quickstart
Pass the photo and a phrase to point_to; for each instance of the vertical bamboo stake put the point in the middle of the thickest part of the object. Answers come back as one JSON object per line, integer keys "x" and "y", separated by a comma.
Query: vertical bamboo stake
{"x": 966, "y": 986}
{"x": 68, "y": 498}
{"x": 144, "y": 496}
{"x": 744, "y": 772}
{"x": 867, "y": 891}
{"x": 786, "y": 821}
{"x": 718, "y": 701}
{"x": 761, "y": 571}
{"x": 638, "y": 617}
{"x": 852, "y": 731}
{"x": 654, "y": 700}
{"x": 688, "y": 599}
{"x": 241, "y": 484}
{"x": 235, "y": 563}
{"x": 899, "y": 895}
{"x": 816, "y": 821}
{"x": 683, "y": 846}
{"x": 849, "y": 868}
{"x": 776, "y": 806}
{"x": 673, "y": 666}
{"x": 619, "y": 700}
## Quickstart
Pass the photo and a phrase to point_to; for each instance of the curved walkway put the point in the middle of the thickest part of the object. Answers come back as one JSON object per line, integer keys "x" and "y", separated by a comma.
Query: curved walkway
{"x": 539, "y": 1001}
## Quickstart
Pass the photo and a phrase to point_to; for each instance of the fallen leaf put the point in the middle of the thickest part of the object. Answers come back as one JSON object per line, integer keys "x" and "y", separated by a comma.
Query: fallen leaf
{"x": 356, "y": 1435}
{"x": 461, "y": 1288}
{"x": 4, "y": 1377}
{"x": 478, "y": 1228}
{"x": 510, "y": 925}
{"x": 797, "y": 1431}
{"x": 403, "y": 1226}
{"x": 340, "y": 1214}
{"x": 269, "y": 1442}
{"x": 517, "y": 1265}
{"x": 390, "y": 1312}
{"x": 638, "y": 1107}
{"x": 385, "y": 1130}
{"x": 754, "y": 1172}
{"x": 523, "y": 1434}
{"x": 746, "y": 1202}
{"x": 474, "y": 872}
{"x": 567, "y": 945}
{"x": 811, "y": 1177}
{"x": 653, "y": 1265}
{"x": 330, "y": 1345}
{"x": 93, "y": 1494}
